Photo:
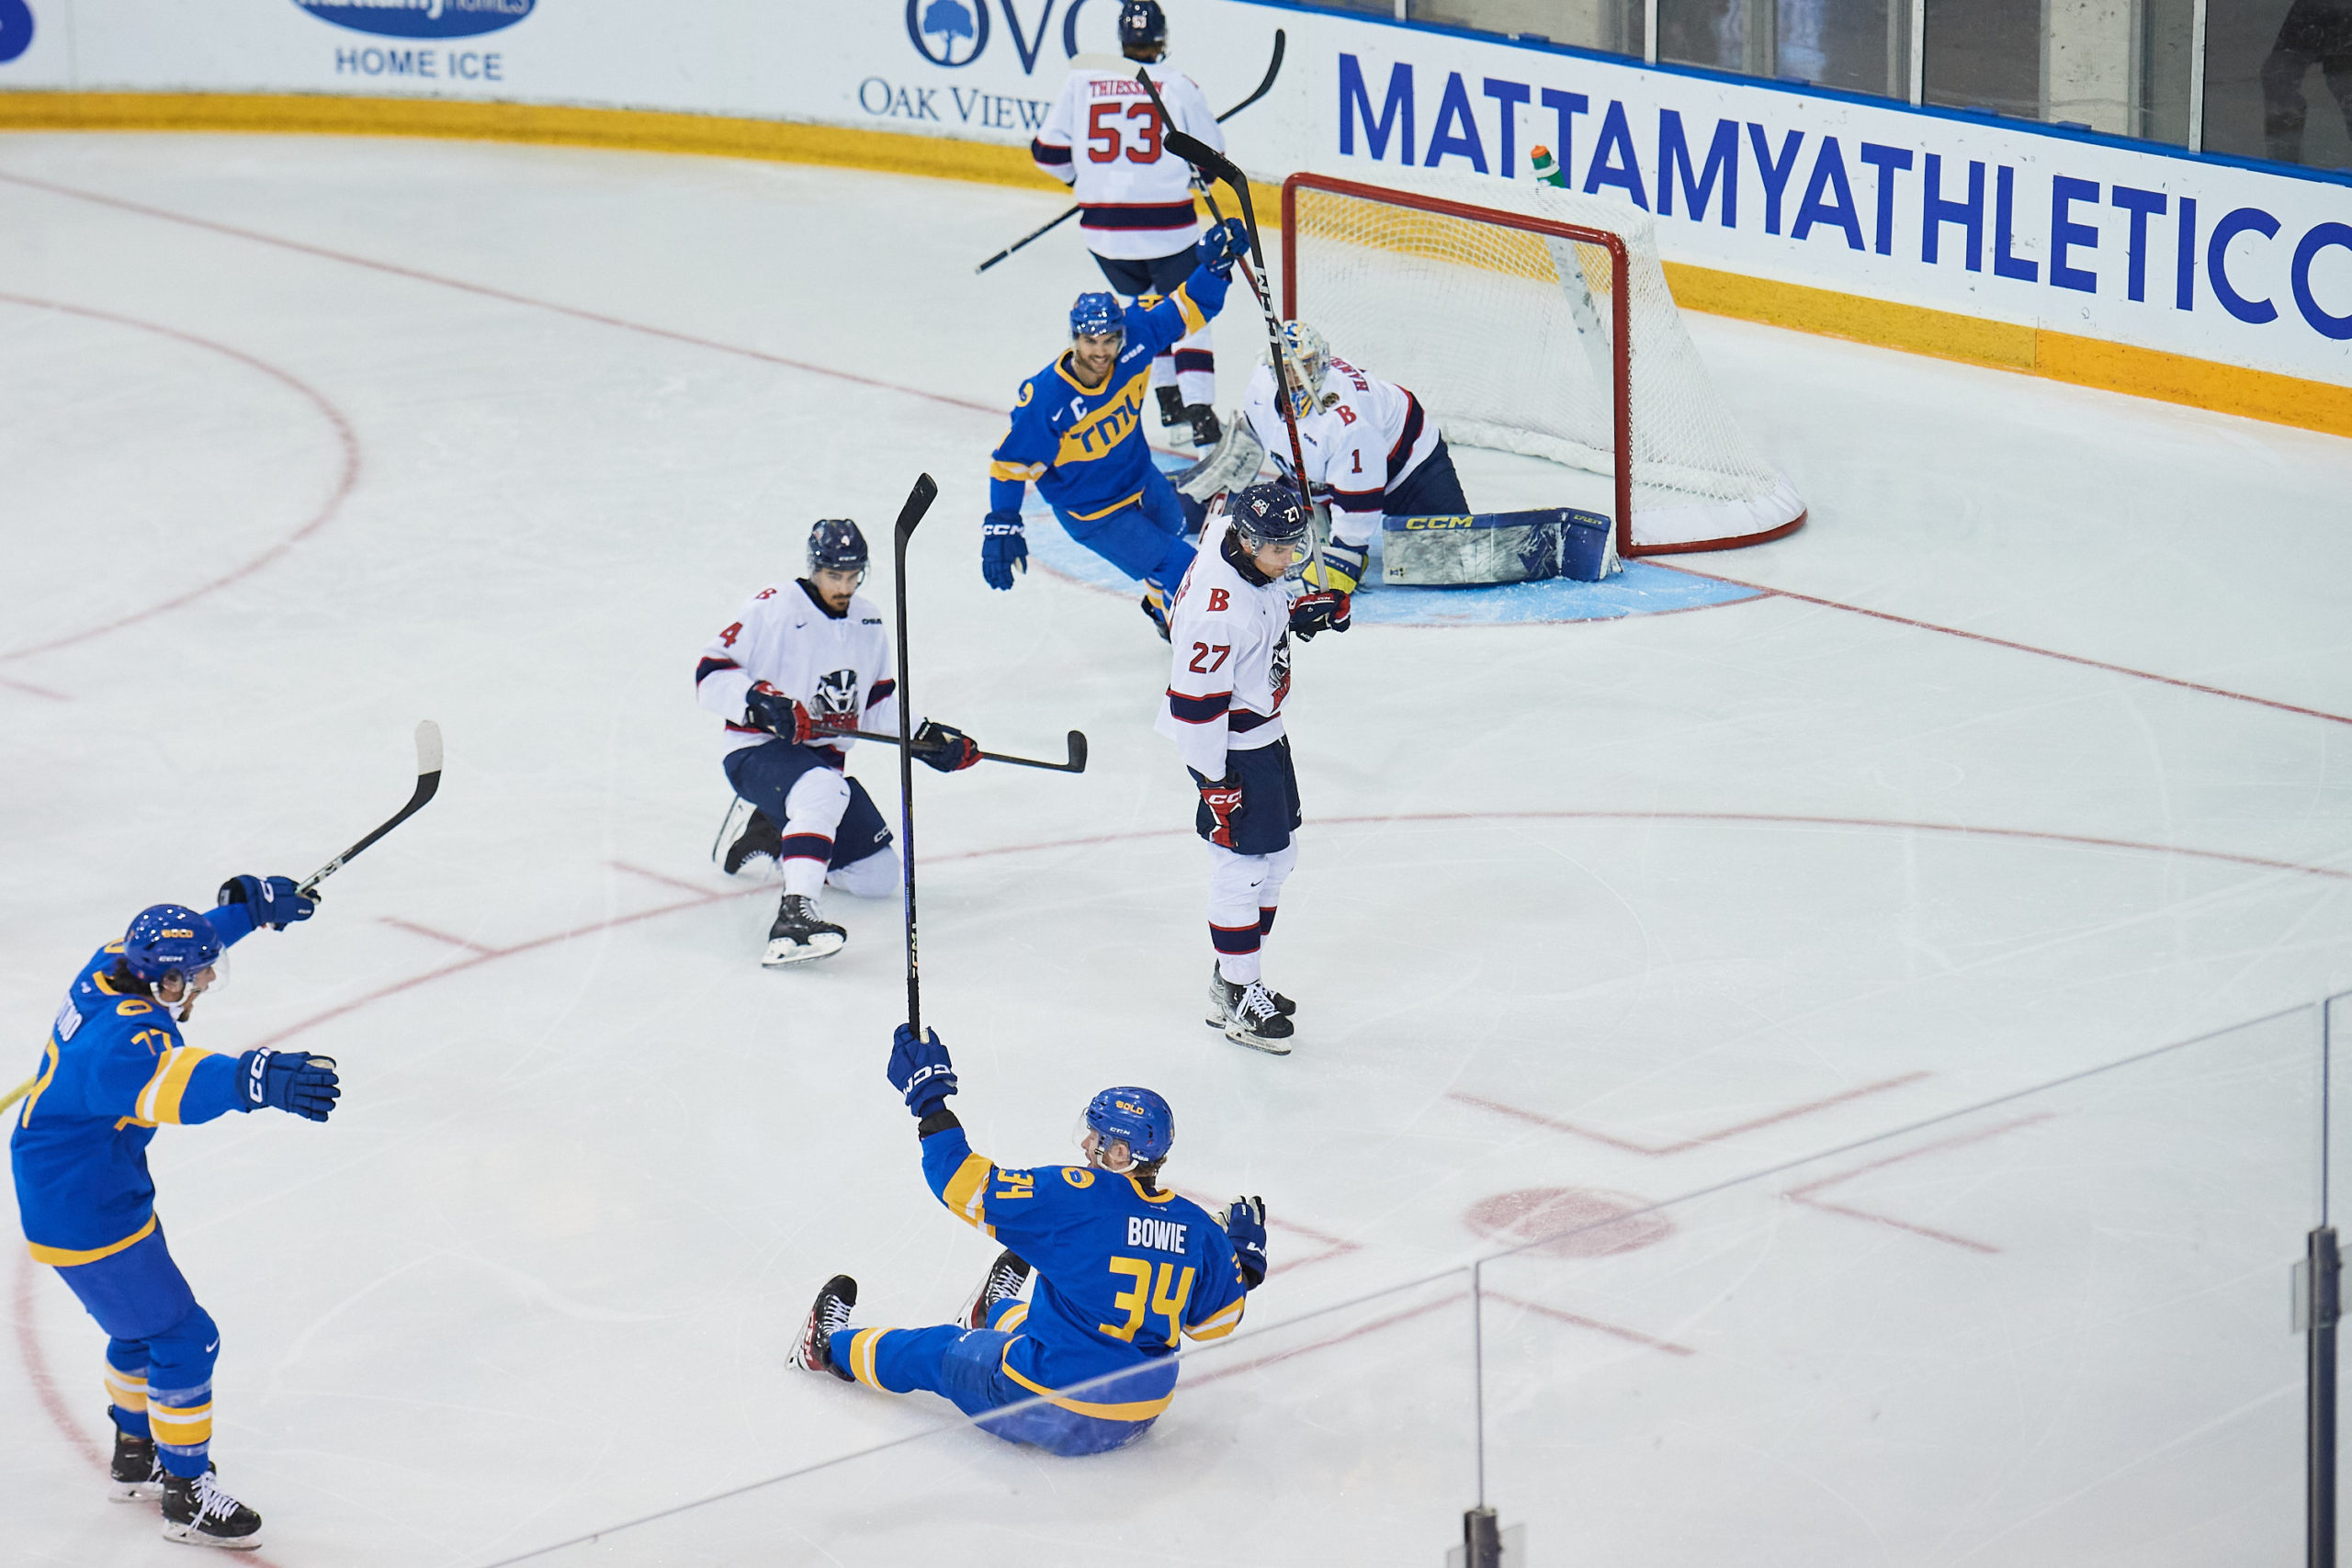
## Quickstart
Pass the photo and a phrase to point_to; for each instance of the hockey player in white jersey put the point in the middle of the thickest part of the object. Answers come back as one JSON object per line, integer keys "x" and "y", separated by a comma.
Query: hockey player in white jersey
{"x": 1370, "y": 450}
{"x": 1230, "y": 626}
{"x": 1134, "y": 196}
{"x": 802, "y": 664}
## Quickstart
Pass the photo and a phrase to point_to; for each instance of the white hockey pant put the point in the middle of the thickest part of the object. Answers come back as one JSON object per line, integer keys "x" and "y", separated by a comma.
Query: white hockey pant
{"x": 1243, "y": 893}
{"x": 812, "y": 811}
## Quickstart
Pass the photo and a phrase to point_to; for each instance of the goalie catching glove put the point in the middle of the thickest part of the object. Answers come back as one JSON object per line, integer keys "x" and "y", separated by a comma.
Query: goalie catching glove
{"x": 1232, "y": 463}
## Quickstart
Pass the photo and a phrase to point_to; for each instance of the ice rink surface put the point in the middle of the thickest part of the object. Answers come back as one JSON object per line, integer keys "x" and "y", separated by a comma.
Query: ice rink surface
{"x": 2031, "y": 751}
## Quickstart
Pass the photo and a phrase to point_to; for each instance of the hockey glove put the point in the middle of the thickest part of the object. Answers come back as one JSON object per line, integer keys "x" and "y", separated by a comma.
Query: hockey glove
{"x": 766, "y": 708}
{"x": 1222, "y": 802}
{"x": 1222, "y": 245}
{"x": 1004, "y": 549}
{"x": 1326, "y": 610}
{"x": 921, "y": 1071}
{"x": 1245, "y": 1227}
{"x": 288, "y": 1080}
{"x": 273, "y": 901}
{"x": 944, "y": 747}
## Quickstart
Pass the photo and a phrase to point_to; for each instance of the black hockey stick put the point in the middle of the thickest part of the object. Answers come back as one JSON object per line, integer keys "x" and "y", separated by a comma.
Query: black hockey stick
{"x": 428, "y": 783}
{"x": 1273, "y": 69}
{"x": 1215, "y": 165}
{"x": 1077, "y": 763}
{"x": 919, "y": 502}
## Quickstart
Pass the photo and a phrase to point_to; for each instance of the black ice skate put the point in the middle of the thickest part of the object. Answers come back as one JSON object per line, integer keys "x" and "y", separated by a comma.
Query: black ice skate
{"x": 1206, "y": 432}
{"x": 1156, "y": 613}
{"x": 201, "y": 1513}
{"x": 1250, "y": 1015}
{"x": 136, "y": 1474}
{"x": 800, "y": 933}
{"x": 1172, "y": 405}
{"x": 1004, "y": 1280}
{"x": 813, "y": 1352}
{"x": 755, "y": 839}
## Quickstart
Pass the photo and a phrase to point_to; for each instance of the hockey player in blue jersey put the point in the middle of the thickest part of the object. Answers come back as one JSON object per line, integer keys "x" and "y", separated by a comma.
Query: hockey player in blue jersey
{"x": 115, "y": 1069}
{"x": 1121, "y": 1269}
{"x": 1077, "y": 432}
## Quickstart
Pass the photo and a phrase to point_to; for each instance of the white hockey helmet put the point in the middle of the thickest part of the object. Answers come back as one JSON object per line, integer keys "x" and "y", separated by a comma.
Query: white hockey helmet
{"x": 1307, "y": 355}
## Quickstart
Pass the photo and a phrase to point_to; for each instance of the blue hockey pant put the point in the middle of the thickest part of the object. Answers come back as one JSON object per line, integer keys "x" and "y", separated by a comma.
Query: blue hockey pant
{"x": 160, "y": 1349}
{"x": 967, "y": 1367}
{"x": 833, "y": 831}
{"x": 1144, "y": 538}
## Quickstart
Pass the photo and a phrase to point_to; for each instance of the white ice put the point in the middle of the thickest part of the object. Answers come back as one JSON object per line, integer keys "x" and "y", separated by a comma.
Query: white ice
{"x": 303, "y": 440}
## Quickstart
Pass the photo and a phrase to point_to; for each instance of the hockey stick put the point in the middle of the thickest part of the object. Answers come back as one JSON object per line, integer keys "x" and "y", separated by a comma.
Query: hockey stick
{"x": 919, "y": 502}
{"x": 1077, "y": 763}
{"x": 428, "y": 783}
{"x": 1273, "y": 69}
{"x": 19, "y": 1092}
{"x": 1214, "y": 166}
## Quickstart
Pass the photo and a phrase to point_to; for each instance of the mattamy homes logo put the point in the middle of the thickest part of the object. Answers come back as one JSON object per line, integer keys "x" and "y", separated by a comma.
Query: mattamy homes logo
{"x": 16, "y": 29}
{"x": 418, "y": 19}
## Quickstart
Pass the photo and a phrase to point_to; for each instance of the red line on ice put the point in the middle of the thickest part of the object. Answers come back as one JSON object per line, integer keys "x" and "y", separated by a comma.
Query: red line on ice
{"x": 1581, "y": 1321}
{"x": 344, "y": 483}
{"x": 1657, "y": 1151}
{"x": 1804, "y": 1194}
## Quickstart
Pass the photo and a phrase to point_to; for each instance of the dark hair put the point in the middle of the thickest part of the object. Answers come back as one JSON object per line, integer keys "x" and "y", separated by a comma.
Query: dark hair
{"x": 1146, "y": 1173}
{"x": 122, "y": 979}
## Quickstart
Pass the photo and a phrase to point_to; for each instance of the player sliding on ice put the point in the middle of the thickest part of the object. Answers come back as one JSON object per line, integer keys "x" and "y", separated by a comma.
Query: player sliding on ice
{"x": 801, "y": 665}
{"x": 1077, "y": 432}
{"x": 115, "y": 1069}
{"x": 1122, "y": 1268}
{"x": 1371, "y": 451}
{"x": 1224, "y": 709}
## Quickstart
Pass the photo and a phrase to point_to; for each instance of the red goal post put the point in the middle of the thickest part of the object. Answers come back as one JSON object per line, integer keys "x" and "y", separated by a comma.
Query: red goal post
{"x": 1434, "y": 290}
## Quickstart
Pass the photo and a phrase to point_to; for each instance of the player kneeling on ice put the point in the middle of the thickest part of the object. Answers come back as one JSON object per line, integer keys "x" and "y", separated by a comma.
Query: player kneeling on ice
{"x": 115, "y": 1069}
{"x": 801, "y": 667}
{"x": 1231, "y": 628}
{"x": 1371, "y": 451}
{"x": 1077, "y": 432}
{"x": 1121, "y": 1269}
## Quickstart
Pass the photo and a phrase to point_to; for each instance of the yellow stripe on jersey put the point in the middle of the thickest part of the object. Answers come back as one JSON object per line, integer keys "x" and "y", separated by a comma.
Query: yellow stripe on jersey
{"x": 181, "y": 1426}
{"x": 1019, "y": 473}
{"x": 48, "y": 1077}
{"x": 66, "y": 1257}
{"x": 1194, "y": 317}
{"x": 1136, "y": 1410}
{"x": 968, "y": 1190}
{"x": 160, "y": 1101}
{"x": 1123, "y": 500}
{"x": 1014, "y": 1316}
{"x": 1220, "y": 1324}
{"x": 1098, "y": 433}
{"x": 861, "y": 1346}
{"x": 127, "y": 1390}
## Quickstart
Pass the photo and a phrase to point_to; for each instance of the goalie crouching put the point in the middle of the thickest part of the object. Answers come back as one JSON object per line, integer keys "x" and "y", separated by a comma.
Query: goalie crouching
{"x": 1371, "y": 450}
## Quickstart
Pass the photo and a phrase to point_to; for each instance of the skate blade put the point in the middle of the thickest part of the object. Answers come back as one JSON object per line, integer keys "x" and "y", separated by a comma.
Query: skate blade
{"x": 136, "y": 1492}
{"x": 1242, "y": 1036}
{"x": 822, "y": 945}
{"x": 191, "y": 1536}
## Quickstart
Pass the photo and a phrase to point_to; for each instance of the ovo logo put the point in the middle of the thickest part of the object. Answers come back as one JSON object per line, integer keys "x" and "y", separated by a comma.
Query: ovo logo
{"x": 416, "y": 18}
{"x": 16, "y": 29}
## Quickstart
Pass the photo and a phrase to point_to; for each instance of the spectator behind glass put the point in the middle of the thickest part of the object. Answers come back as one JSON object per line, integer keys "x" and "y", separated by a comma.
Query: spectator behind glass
{"x": 2316, "y": 32}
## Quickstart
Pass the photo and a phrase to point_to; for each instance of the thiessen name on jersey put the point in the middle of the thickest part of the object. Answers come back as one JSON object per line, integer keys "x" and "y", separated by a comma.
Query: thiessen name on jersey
{"x": 1159, "y": 1235}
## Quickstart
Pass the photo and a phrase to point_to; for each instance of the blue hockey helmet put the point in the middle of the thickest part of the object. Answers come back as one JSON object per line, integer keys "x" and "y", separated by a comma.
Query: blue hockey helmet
{"x": 168, "y": 938}
{"x": 1135, "y": 1117}
{"x": 835, "y": 544}
{"x": 1269, "y": 514}
{"x": 1097, "y": 315}
{"x": 1142, "y": 25}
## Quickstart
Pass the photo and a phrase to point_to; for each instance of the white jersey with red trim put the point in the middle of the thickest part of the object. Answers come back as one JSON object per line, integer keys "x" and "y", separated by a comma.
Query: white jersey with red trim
{"x": 1231, "y": 636}
{"x": 1363, "y": 436}
{"x": 838, "y": 667}
{"x": 1102, "y": 137}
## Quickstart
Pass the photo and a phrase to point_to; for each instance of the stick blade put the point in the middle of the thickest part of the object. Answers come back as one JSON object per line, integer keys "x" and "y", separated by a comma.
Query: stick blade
{"x": 919, "y": 502}
{"x": 1077, "y": 751}
{"x": 428, "y": 746}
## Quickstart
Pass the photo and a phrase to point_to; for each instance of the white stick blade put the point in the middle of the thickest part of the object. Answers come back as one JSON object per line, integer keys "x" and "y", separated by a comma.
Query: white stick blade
{"x": 428, "y": 746}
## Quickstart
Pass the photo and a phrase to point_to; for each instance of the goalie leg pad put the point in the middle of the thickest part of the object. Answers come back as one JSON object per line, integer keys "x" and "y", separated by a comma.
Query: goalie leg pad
{"x": 1495, "y": 547}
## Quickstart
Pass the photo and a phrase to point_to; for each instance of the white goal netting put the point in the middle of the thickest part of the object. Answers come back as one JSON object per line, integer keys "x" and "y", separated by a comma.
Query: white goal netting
{"x": 1506, "y": 335}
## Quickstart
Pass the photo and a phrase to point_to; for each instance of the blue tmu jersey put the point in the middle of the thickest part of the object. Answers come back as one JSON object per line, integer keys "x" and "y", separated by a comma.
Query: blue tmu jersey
{"x": 1084, "y": 445}
{"x": 1121, "y": 1273}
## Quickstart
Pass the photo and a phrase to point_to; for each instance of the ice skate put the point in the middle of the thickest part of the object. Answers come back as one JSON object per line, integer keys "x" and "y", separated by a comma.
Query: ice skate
{"x": 135, "y": 1474}
{"x": 749, "y": 838}
{"x": 1250, "y": 1015}
{"x": 813, "y": 1351}
{"x": 1206, "y": 431}
{"x": 1005, "y": 1280}
{"x": 1171, "y": 406}
{"x": 800, "y": 933}
{"x": 1282, "y": 1004}
{"x": 199, "y": 1513}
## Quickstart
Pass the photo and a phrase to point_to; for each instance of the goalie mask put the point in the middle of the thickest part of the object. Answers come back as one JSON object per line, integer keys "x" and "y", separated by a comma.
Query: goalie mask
{"x": 1306, "y": 357}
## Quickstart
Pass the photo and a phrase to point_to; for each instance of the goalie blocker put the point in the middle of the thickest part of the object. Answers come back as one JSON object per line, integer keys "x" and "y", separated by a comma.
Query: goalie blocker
{"x": 1498, "y": 546}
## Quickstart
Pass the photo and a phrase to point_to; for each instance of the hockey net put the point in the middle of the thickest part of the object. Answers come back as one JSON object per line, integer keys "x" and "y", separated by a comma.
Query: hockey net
{"x": 1531, "y": 319}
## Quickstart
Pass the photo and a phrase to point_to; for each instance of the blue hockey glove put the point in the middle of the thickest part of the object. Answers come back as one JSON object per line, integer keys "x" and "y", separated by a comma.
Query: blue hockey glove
{"x": 274, "y": 901}
{"x": 1004, "y": 549}
{"x": 288, "y": 1080}
{"x": 1221, "y": 245}
{"x": 921, "y": 1071}
{"x": 1326, "y": 609}
{"x": 950, "y": 750}
{"x": 766, "y": 708}
{"x": 1245, "y": 1227}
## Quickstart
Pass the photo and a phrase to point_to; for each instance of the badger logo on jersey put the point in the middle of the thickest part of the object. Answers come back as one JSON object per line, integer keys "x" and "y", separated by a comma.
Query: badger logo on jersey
{"x": 1278, "y": 670}
{"x": 836, "y": 698}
